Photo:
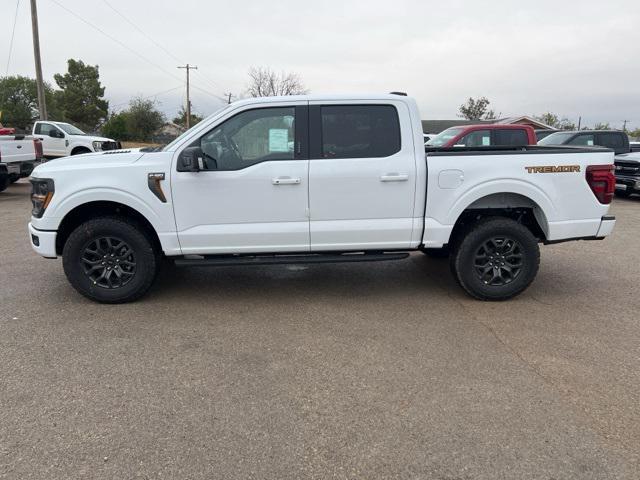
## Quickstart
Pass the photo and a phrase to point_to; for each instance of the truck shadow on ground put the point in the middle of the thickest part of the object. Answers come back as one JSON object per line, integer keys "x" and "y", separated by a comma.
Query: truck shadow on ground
{"x": 415, "y": 275}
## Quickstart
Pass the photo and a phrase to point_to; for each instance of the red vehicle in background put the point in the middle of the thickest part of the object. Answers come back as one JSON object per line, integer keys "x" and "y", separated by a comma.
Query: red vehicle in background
{"x": 485, "y": 135}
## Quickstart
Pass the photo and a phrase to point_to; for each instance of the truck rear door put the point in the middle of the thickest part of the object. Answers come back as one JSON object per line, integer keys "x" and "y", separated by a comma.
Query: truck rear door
{"x": 362, "y": 175}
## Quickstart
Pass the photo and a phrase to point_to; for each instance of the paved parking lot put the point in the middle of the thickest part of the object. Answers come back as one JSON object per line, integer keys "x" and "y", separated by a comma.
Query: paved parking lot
{"x": 368, "y": 371}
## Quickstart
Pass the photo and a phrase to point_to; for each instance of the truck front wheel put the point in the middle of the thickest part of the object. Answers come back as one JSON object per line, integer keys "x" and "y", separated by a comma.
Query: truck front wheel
{"x": 110, "y": 260}
{"x": 497, "y": 259}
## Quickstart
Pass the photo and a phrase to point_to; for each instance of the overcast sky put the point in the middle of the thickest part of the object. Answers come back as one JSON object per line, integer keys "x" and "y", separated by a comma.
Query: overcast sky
{"x": 569, "y": 57}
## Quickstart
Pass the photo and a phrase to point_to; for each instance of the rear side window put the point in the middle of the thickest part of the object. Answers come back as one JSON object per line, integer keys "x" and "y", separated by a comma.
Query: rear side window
{"x": 611, "y": 140}
{"x": 359, "y": 131}
{"x": 511, "y": 137}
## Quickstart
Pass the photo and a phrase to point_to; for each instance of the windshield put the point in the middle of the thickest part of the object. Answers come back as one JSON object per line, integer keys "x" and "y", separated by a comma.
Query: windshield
{"x": 444, "y": 137}
{"x": 558, "y": 138}
{"x": 70, "y": 129}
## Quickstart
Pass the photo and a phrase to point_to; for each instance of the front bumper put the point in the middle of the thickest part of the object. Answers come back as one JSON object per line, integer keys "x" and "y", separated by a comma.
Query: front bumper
{"x": 43, "y": 242}
{"x": 624, "y": 182}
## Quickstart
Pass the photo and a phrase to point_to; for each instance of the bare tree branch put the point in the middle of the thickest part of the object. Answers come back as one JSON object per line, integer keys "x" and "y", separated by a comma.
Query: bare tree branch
{"x": 264, "y": 82}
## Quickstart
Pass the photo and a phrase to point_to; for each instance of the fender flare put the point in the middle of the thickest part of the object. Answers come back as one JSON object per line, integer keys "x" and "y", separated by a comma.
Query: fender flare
{"x": 515, "y": 186}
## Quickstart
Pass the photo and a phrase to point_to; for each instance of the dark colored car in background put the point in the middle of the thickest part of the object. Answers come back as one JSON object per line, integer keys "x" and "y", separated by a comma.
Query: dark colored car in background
{"x": 616, "y": 140}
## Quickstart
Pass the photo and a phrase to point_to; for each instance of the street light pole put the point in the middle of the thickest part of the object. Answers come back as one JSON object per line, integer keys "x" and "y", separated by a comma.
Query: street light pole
{"x": 42, "y": 104}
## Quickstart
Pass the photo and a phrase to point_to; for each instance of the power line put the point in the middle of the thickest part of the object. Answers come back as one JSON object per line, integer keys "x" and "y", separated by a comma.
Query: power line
{"x": 157, "y": 44}
{"x": 148, "y": 37}
{"x": 13, "y": 33}
{"x": 123, "y": 45}
{"x": 149, "y": 96}
{"x": 126, "y": 47}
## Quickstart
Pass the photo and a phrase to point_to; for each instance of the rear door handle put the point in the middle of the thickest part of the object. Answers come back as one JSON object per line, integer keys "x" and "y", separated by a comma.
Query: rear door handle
{"x": 394, "y": 177}
{"x": 285, "y": 181}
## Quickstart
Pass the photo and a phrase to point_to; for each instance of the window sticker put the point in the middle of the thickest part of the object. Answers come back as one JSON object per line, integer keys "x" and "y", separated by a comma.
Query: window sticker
{"x": 278, "y": 140}
{"x": 590, "y": 143}
{"x": 486, "y": 141}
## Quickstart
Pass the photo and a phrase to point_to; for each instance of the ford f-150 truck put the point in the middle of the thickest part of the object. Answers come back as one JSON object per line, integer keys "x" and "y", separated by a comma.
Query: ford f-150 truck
{"x": 60, "y": 139}
{"x": 18, "y": 156}
{"x": 484, "y": 135}
{"x": 309, "y": 179}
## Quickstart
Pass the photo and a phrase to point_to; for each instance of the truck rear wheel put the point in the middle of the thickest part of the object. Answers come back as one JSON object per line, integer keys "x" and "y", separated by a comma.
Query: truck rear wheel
{"x": 4, "y": 181}
{"x": 110, "y": 260}
{"x": 497, "y": 259}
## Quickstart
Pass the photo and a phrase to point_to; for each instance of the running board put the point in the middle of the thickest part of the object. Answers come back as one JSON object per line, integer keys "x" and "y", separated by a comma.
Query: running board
{"x": 221, "y": 261}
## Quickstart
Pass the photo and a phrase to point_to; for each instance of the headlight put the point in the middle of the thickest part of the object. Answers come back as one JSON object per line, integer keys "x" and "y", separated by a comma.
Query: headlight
{"x": 97, "y": 146}
{"x": 41, "y": 194}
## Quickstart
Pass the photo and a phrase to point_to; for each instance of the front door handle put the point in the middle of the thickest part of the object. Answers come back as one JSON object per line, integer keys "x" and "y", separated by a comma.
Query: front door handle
{"x": 285, "y": 181}
{"x": 394, "y": 177}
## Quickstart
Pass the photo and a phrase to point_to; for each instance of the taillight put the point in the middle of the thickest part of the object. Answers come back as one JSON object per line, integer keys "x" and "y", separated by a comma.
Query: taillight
{"x": 602, "y": 182}
{"x": 37, "y": 145}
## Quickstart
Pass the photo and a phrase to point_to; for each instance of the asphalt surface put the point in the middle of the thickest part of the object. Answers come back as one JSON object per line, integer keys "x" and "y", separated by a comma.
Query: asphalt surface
{"x": 384, "y": 370}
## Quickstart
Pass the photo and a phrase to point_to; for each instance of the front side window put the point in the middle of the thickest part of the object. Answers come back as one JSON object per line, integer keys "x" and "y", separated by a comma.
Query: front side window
{"x": 584, "y": 140}
{"x": 359, "y": 131}
{"x": 479, "y": 138}
{"x": 251, "y": 137}
{"x": 45, "y": 128}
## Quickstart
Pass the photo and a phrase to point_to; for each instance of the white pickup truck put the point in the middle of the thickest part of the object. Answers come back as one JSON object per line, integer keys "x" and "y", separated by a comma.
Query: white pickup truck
{"x": 314, "y": 179}
{"x": 60, "y": 139}
{"x": 18, "y": 157}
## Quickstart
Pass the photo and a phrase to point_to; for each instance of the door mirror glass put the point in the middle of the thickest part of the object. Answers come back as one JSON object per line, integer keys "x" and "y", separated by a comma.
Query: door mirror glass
{"x": 191, "y": 160}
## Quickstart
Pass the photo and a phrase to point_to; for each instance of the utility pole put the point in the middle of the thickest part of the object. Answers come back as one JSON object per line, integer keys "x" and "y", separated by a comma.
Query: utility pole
{"x": 228, "y": 95}
{"x": 579, "y": 122}
{"x": 42, "y": 105}
{"x": 624, "y": 127}
{"x": 188, "y": 67}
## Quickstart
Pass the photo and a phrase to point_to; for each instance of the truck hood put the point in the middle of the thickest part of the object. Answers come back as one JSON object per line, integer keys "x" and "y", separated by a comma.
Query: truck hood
{"x": 88, "y": 161}
{"x": 91, "y": 138}
{"x": 629, "y": 157}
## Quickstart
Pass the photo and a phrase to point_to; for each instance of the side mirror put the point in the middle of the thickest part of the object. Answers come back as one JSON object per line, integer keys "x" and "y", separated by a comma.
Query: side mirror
{"x": 191, "y": 160}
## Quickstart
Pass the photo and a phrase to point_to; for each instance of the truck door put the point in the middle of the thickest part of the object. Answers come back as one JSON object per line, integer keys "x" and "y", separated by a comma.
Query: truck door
{"x": 251, "y": 194}
{"x": 52, "y": 146}
{"x": 362, "y": 176}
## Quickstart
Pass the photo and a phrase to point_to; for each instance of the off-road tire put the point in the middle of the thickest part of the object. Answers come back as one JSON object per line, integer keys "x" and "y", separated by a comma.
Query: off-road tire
{"x": 83, "y": 239}
{"x": 472, "y": 249}
{"x": 4, "y": 182}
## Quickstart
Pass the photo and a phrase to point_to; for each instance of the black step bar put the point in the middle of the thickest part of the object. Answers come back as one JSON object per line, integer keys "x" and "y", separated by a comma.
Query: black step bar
{"x": 228, "y": 260}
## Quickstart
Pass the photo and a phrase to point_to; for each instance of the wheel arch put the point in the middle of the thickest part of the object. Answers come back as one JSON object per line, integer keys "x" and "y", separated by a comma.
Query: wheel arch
{"x": 517, "y": 206}
{"x": 78, "y": 149}
{"x": 101, "y": 208}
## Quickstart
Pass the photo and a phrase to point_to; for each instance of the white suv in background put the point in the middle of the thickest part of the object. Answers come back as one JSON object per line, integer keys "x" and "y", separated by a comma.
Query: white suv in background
{"x": 61, "y": 139}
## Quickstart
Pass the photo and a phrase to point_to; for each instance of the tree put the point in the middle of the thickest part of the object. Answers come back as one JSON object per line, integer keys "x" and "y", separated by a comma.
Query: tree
{"x": 142, "y": 118}
{"x": 602, "y": 126}
{"x": 19, "y": 101}
{"x": 82, "y": 95}
{"x": 476, "y": 109}
{"x": 116, "y": 127}
{"x": 550, "y": 119}
{"x": 264, "y": 82}
{"x": 181, "y": 119}
{"x": 634, "y": 133}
